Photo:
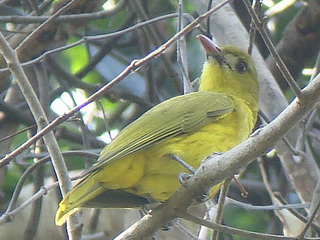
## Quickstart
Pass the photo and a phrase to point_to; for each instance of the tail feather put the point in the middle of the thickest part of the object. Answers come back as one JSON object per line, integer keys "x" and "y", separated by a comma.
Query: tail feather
{"x": 81, "y": 193}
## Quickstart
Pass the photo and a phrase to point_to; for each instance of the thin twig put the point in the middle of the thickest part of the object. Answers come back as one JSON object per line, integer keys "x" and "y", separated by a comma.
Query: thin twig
{"x": 296, "y": 213}
{"x": 7, "y": 217}
{"x": 97, "y": 37}
{"x": 270, "y": 190}
{"x": 105, "y": 119}
{"x": 104, "y": 49}
{"x": 34, "y": 216}
{"x": 208, "y": 31}
{"x": 316, "y": 69}
{"x": 182, "y": 54}
{"x": 221, "y": 203}
{"x": 294, "y": 151}
{"x": 233, "y": 231}
{"x": 252, "y": 32}
{"x": 185, "y": 232}
{"x": 282, "y": 67}
{"x": 83, "y": 129}
{"x": 17, "y": 133}
{"x": 247, "y": 206}
{"x": 26, "y": 174}
{"x": 65, "y": 18}
{"x": 204, "y": 232}
{"x": 44, "y": 24}
{"x": 156, "y": 38}
{"x": 60, "y": 73}
{"x": 309, "y": 223}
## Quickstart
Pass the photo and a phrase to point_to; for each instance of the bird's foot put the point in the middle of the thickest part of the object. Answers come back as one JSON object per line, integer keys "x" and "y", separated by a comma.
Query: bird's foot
{"x": 183, "y": 178}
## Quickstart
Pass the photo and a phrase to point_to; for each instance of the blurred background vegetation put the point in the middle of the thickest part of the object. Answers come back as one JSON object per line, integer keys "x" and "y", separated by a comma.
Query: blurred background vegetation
{"x": 64, "y": 74}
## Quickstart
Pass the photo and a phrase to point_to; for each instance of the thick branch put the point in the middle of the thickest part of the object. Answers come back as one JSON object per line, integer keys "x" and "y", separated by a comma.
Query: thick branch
{"x": 218, "y": 167}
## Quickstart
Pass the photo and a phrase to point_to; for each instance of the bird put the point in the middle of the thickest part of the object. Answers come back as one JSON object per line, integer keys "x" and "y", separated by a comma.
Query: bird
{"x": 138, "y": 166}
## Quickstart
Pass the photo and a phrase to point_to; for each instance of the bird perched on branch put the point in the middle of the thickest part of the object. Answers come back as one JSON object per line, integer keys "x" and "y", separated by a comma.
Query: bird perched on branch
{"x": 137, "y": 167}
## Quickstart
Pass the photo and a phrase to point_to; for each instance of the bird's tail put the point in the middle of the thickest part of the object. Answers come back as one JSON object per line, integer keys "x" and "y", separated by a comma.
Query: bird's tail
{"x": 82, "y": 192}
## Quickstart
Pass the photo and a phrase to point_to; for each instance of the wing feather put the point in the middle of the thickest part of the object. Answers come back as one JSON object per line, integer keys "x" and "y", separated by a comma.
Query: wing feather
{"x": 176, "y": 116}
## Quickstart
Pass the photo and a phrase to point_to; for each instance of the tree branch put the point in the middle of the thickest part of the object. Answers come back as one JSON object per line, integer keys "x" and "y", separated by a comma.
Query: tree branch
{"x": 218, "y": 167}
{"x": 27, "y": 90}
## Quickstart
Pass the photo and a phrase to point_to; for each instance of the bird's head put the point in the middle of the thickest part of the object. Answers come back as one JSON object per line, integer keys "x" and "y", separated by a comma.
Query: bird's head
{"x": 229, "y": 70}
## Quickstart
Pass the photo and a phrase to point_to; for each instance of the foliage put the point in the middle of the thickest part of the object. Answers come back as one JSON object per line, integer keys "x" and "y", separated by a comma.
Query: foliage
{"x": 71, "y": 59}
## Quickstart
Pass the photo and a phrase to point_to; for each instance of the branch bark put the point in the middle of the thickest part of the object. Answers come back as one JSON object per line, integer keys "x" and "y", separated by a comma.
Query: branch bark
{"x": 218, "y": 167}
{"x": 26, "y": 88}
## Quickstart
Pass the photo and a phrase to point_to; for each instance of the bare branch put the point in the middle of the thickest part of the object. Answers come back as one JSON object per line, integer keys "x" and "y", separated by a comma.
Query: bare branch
{"x": 218, "y": 167}
{"x": 27, "y": 90}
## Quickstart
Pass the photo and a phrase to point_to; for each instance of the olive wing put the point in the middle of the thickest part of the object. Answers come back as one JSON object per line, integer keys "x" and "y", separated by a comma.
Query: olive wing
{"x": 173, "y": 117}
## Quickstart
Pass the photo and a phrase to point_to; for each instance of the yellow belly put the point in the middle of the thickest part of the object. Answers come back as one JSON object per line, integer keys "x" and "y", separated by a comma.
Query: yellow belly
{"x": 152, "y": 174}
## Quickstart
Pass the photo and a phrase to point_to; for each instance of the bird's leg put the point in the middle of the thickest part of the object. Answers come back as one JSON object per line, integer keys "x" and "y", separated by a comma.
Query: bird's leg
{"x": 183, "y": 163}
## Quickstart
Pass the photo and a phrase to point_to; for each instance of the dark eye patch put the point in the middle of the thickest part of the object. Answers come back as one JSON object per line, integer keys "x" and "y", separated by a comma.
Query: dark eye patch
{"x": 241, "y": 66}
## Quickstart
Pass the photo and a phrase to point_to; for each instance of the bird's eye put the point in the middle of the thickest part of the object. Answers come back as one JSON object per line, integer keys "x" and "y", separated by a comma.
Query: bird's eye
{"x": 241, "y": 66}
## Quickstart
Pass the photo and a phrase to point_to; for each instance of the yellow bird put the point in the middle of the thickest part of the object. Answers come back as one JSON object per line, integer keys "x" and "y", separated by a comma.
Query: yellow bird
{"x": 137, "y": 166}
